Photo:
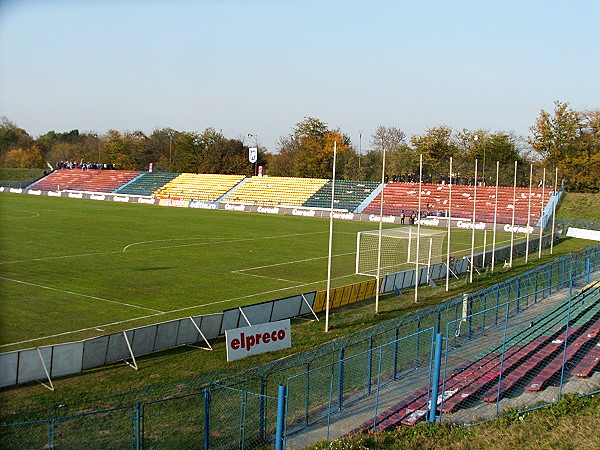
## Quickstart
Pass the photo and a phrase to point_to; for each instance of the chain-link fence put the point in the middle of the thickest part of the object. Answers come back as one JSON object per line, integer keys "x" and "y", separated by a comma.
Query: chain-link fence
{"x": 520, "y": 343}
{"x": 378, "y": 378}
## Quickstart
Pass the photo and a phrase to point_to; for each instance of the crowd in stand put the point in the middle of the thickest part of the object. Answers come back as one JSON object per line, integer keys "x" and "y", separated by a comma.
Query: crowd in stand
{"x": 83, "y": 166}
{"x": 428, "y": 179}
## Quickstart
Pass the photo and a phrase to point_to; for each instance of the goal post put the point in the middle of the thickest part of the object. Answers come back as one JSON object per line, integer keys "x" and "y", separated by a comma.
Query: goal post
{"x": 398, "y": 248}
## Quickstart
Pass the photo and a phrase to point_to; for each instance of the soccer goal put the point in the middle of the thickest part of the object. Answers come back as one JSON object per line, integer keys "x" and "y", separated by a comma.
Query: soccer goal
{"x": 398, "y": 249}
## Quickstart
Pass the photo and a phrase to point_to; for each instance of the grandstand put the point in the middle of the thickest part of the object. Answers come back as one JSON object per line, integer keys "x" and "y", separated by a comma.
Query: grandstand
{"x": 349, "y": 194}
{"x": 91, "y": 180}
{"x": 398, "y": 197}
{"x": 146, "y": 183}
{"x": 204, "y": 187}
{"x": 530, "y": 360}
{"x": 275, "y": 191}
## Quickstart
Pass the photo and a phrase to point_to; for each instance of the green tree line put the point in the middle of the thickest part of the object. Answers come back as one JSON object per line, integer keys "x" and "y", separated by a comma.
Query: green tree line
{"x": 562, "y": 139}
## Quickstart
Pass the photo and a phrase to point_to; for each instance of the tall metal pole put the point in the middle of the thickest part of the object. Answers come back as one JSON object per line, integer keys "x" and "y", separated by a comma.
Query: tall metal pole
{"x": 330, "y": 240}
{"x": 495, "y": 216}
{"x": 554, "y": 210}
{"x": 418, "y": 229}
{"x": 542, "y": 213}
{"x": 170, "y": 149}
{"x": 528, "y": 212}
{"x": 380, "y": 232}
{"x": 449, "y": 216}
{"x": 256, "y": 144}
{"x": 512, "y": 229}
{"x": 359, "y": 151}
{"x": 473, "y": 225}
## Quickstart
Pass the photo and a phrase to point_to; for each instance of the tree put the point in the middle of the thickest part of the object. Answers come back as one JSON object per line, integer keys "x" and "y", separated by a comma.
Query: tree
{"x": 581, "y": 167}
{"x": 554, "y": 135}
{"x": 502, "y": 147}
{"x": 393, "y": 141}
{"x": 308, "y": 151}
{"x": 29, "y": 158}
{"x": 12, "y": 137}
{"x": 122, "y": 150}
{"x": 569, "y": 141}
{"x": 227, "y": 156}
{"x": 281, "y": 164}
{"x": 436, "y": 146}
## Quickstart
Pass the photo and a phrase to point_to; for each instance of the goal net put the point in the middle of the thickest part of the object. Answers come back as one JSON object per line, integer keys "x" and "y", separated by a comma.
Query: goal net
{"x": 398, "y": 249}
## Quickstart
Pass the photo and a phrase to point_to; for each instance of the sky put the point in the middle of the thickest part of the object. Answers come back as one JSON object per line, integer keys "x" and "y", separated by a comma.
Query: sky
{"x": 261, "y": 66}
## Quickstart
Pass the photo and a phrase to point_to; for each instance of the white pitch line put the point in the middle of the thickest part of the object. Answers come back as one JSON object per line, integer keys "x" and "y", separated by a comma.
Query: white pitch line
{"x": 169, "y": 312}
{"x": 81, "y": 295}
{"x": 168, "y": 240}
{"x": 33, "y": 214}
{"x": 77, "y": 255}
{"x": 264, "y": 276}
{"x": 288, "y": 262}
{"x": 162, "y": 313}
{"x": 47, "y": 258}
{"x": 223, "y": 241}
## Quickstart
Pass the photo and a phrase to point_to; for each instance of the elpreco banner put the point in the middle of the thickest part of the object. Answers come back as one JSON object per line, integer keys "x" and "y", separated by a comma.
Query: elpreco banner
{"x": 266, "y": 337}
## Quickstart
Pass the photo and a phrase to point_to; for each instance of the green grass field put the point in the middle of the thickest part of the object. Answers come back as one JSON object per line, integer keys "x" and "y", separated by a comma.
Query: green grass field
{"x": 72, "y": 269}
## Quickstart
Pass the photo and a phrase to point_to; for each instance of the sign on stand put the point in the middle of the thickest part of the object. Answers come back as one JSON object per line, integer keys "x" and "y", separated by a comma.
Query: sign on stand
{"x": 265, "y": 337}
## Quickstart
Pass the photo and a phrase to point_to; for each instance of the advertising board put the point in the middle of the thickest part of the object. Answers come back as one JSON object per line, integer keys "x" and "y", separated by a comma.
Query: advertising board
{"x": 265, "y": 337}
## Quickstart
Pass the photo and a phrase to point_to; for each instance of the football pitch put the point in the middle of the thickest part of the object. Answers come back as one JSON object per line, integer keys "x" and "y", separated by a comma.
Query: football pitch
{"x": 72, "y": 269}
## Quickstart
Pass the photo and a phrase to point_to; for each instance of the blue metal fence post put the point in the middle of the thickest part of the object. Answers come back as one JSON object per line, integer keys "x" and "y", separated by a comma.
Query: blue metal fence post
{"x": 437, "y": 367}
{"x": 571, "y": 279}
{"x": 484, "y": 308}
{"x": 52, "y": 437}
{"x": 280, "y": 417}
{"x": 497, "y": 303}
{"x": 50, "y": 433}
{"x": 396, "y": 352}
{"x": 470, "y": 314}
{"x": 307, "y": 403}
{"x": 537, "y": 272}
{"x": 588, "y": 269}
{"x": 370, "y": 366}
{"x": 262, "y": 406}
{"x": 206, "y": 418}
{"x": 341, "y": 379}
{"x": 138, "y": 434}
{"x": 418, "y": 349}
{"x": 518, "y": 292}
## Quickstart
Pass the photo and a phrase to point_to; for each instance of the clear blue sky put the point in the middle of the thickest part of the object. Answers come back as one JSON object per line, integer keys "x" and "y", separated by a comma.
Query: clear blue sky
{"x": 261, "y": 66}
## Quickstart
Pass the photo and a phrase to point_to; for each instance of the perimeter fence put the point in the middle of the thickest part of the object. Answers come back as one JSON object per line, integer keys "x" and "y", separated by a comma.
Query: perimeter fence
{"x": 363, "y": 380}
